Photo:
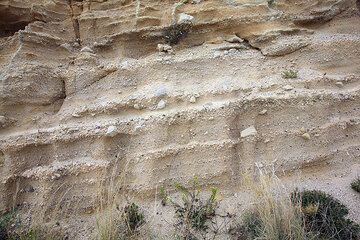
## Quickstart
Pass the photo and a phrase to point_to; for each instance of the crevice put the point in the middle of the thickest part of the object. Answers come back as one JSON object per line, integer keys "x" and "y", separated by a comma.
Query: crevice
{"x": 248, "y": 44}
{"x": 75, "y": 21}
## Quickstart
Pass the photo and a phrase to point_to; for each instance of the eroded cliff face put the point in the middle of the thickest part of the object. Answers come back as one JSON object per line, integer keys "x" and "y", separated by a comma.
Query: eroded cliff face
{"x": 85, "y": 94}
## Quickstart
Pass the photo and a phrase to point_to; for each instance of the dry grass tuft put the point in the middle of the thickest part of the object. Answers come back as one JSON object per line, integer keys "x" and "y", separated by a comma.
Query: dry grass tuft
{"x": 273, "y": 216}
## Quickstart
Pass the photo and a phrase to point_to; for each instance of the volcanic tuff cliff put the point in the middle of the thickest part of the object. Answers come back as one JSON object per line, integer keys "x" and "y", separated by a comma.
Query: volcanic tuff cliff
{"x": 85, "y": 94}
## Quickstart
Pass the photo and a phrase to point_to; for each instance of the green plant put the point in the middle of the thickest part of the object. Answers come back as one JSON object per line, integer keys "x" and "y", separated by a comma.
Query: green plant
{"x": 290, "y": 74}
{"x": 196, "y": 217}
{"x": 176, "y": 32}
{"x": 273, "y": 216}
{"x": 193, "y": 211}
{"x": 133, "y": 217}
{"x": 163, "y": 196}
{"x": 31, "y": 234}
{"x": 18, "y": 233}
{"x": 4, "y": 223}
{"x": 325, "y": 216}
{"x": 356, "y": 184}
{"x": 271, "y": 3}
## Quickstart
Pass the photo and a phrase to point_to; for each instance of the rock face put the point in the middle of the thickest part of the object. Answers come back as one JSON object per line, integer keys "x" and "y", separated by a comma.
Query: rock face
{"x": 85, "y": 93}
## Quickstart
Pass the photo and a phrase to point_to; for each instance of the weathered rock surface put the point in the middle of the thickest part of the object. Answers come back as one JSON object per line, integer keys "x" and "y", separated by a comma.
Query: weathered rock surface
{"x": 85, "y": 92}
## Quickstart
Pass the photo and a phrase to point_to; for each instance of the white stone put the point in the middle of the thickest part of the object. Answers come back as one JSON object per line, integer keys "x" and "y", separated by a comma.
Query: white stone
{"x": 136, "y": 106}
{"x": 250, "y": 131}
{"x": 2, "y": 120}
{"x": 87, "y": 49}
{"x": 185, "y": 18}
{"x": 263, "y": 112}
{"x": 161, "y": 104}
{"x": 306, "y": 136}
{"x": 193, "y": 99}
{"x": 164, "y": 47}
{"x": 111, "y": 131}
{"x": 339, "y": 84}
{"x": 288, "y": 87}
{"x": 234, "y": 39}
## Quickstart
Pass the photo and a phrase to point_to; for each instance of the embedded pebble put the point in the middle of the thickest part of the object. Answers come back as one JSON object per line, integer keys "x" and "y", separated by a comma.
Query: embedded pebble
{"x": 161, "y": 104}
{"x": 250, "y": 131}
{"x": 111, "y": 131}
{"x": 263, "y": 112}
{"x": 306, "y": 136}
{"x": 288, "y": 87}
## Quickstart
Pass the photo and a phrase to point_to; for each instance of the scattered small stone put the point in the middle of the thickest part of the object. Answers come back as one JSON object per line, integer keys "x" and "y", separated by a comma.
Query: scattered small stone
{"x": 234, "y": 39}
{"x": 193, "y": 99}
{"x": 185, "y": 18}
{"x": 306, "y": 136}
{"x": 87, "y": 49}
{"x": 288, "y": 87}
{"x": 2, "y": 120}
{"x": 76, "y": 115}
{"x": 232, "y": 51}
{"x": 161, "y": 104}
{"x": 137, "y": 106}
{"x": 302, "y": 130}
{"x": 263, "y": 112}
{"x": 339, "y": 84}
{"x": 250, "y": 131}
{"x": 217, "y": 54}
{"x": 164, "y": 48}
{"x": 111, "y": 131}
{"x": 267, "y": 140}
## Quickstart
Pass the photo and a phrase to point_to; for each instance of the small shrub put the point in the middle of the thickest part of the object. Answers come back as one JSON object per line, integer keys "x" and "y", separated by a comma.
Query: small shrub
{"x": 15, "y": 233}
{"x": 176, "y": 32}
{"x": 290, "y": 74}
{"x": 163, "y": 196}
{"x": 193, "y": 211}
{"x": 325, "y": 215}
{"x": 271, "y": 3}
{"x": 195, "y": 217}
{"x": 4, "y": 224}
{"x": 133, "y": 217}
{"x": 356, "y": 185}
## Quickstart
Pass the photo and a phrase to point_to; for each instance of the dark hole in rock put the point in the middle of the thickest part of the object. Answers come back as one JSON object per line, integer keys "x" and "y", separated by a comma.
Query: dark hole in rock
{"x": 13, "y": 20}
{"x": 11, "y": 29}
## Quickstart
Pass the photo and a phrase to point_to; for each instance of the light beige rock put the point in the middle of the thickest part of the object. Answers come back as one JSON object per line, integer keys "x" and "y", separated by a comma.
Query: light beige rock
{"x": 70, "y": 124}
{"x": 250, "y": 131}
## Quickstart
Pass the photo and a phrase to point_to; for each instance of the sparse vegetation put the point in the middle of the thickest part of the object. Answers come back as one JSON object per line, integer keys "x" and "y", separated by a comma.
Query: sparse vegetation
{"x": 290, "y": 74}
{"x": 120, "y": 223}
{"x": 325, "y": 216}
{"x": 273, "y": 215}
{"x": 4, "y": 224}
{"x": 11, "y": 231}
{"x": 118, "y": 217}
{"x": 176, "y": 32}
{"x": 196, "y": 218}
{"x": 355, "y": 185}
{"x": 133, "y": 217}
{"x": 271, "y": 3}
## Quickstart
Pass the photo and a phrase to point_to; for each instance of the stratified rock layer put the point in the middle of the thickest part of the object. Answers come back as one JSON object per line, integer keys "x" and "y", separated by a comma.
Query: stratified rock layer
{"x": 85, "y": 94}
